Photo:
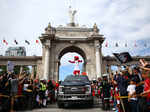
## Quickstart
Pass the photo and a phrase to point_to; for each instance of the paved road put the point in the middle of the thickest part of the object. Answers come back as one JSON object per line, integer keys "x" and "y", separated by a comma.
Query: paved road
{"x": 54, "y": 108}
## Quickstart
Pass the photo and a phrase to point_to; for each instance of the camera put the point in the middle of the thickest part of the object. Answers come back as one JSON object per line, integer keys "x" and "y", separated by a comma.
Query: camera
{"x": 147, "y": 66}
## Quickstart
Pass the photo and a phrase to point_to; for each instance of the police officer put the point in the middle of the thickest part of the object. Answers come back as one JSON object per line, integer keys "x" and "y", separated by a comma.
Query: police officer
{"x": 42, "y": 92}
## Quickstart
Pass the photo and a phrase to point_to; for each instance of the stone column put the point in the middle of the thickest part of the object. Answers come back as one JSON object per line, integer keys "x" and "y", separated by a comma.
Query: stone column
{"x": 21, "y": 69}
{"x": 84, "y": 67}
{"x": 56, "y": 77}
{"x": 98, "y": 58}
{"x": 109, "y": 69}
{"x": 33, "y": 71}
{"x": 119, "y": 68}
{"x": 47, "y": 63}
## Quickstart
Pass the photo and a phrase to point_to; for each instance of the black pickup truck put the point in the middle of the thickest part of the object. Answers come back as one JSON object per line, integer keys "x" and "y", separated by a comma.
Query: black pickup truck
{"x": 75, "y": 89}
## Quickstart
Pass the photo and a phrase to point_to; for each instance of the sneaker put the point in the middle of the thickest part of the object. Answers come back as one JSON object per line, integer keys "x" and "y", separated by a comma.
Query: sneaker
{"x": 113, "y": 109}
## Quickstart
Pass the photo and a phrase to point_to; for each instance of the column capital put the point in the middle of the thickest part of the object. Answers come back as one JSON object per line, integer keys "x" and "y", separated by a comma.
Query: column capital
{"x": 47, "y": 44}
{"x": 97, "y": 44}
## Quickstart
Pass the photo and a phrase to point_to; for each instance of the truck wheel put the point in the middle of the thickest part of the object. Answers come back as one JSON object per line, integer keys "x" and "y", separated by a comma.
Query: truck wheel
{"x": 60, "y": 105}
{"x": 90, "y": 104}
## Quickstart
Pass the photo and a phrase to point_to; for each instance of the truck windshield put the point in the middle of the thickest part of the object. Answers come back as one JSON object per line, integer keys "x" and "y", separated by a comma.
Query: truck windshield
{"x": 79, "y": 78}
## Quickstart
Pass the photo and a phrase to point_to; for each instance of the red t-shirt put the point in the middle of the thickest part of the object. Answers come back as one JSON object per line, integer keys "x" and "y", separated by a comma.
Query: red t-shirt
{"x": 20, "y": 87}
{"x": 57, "y": 85}
{"x": 147, "y": 87}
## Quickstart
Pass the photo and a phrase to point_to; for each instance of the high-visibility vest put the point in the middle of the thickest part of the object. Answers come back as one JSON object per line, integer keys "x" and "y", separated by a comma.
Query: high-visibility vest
{"x": 43, "y": 87}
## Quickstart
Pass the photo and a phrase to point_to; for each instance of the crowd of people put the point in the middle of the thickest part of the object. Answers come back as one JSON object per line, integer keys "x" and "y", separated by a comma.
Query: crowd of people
{"x": 126, "y": 90}
{"x": 25, "y": 92}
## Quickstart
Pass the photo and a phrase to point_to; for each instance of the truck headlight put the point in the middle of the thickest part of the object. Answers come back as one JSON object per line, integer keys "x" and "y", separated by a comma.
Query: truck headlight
{"x": 88, "y": 89}
{"x": 60, "y": 89}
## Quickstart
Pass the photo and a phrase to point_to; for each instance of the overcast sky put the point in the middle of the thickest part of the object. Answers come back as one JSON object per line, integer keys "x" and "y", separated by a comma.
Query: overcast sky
{"x": 122, "y": 21}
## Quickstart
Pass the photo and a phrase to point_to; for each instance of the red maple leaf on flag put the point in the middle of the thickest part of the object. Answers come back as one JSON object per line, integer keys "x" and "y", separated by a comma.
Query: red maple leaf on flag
{"x": 4, "y": 41}
{"x": 37, "y": 41}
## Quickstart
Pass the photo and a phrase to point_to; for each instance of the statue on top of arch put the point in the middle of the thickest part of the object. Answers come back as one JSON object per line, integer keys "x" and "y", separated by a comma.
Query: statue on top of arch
{"x": 76, "y": 62}
{"x": 72, "y": 14}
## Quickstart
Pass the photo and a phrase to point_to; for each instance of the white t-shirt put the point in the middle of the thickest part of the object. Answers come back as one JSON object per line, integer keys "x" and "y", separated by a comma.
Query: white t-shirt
{"x": 131, "y": 90}
{"x": 25, "y": 86}
{"x": 76, "y": 65}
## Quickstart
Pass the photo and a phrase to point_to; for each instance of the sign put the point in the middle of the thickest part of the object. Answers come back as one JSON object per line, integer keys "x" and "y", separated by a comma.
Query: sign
{"x": 123, "y": 57}
{"x": 10, "y": 66}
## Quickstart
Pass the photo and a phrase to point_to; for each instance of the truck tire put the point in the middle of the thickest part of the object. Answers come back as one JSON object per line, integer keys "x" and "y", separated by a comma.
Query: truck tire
{"x": 90, "y": 104}
{"x": 60, "y": 105}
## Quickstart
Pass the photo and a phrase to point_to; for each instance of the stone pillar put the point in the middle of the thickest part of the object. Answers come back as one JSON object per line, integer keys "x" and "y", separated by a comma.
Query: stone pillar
{"x": 47, "y": 63}
{"x": 21, "y": 69}
{"x": 109, "y": 68}
{"x": 56, "y": 72}
{"x": 119, "y": 68}
{"x": 39, "y": 70}
{"x": 33, "y": 71}
{"x": 84, "y": 67}
{"x": 98, "y": 58}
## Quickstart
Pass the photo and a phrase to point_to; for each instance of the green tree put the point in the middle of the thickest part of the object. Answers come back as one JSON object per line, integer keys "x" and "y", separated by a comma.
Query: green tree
{"x": 3, "y": 69}
{"x": 25, "y": 68}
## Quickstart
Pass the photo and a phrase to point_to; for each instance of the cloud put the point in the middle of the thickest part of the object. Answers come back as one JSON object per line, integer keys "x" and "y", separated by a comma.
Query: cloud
{"x": 119, "y": 20}
{"x": 67, "y": 68}
{"x": 69, "y": 56}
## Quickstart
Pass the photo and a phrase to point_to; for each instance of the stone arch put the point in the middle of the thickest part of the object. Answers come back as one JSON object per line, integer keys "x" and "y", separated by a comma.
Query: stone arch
{"x": 72, "y": 49}
{"x": 76, "y": 49}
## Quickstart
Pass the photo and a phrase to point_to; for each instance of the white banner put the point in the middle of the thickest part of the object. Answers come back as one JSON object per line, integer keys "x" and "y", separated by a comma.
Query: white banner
{"x": 10, "y": 66}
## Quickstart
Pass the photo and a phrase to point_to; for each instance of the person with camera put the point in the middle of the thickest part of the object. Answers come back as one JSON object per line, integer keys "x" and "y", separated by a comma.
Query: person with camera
{"x": 106, "y": 87}
{"x": 145, "y": 102}
{"x": 146, "y": 93}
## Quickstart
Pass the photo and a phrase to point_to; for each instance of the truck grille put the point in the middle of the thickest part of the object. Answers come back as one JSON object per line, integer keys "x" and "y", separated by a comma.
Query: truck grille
{"x": 74, "y": 90}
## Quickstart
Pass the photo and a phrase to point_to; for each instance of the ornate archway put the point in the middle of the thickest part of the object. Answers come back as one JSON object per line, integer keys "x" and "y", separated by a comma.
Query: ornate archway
{"x": 58, "y": 41}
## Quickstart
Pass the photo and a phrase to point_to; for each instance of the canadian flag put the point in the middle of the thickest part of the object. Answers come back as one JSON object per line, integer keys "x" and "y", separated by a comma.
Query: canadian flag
{"x": 27, "y": 42}
{"x": 117, "y": 45}
{"x": 16, "y": 42}
{"x": 106, "y": 45}
{"x": 37, "y": 41}
{"x": 4, "y": 41}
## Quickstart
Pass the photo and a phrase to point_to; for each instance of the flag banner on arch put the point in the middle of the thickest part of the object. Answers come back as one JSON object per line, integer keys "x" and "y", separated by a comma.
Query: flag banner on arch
{"x": 116, "y": 45}
{"x": 123, "y": 57}
{"x": 10, "y": 66}
{"x": 4, "y": 41}
{"x": 37, "y": 41}
{"x": 27, "y": 42}
{"x": 16, "y": 42}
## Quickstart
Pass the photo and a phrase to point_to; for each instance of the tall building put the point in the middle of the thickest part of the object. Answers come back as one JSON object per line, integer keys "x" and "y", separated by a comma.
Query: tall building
{"x": 15, "y": 51}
